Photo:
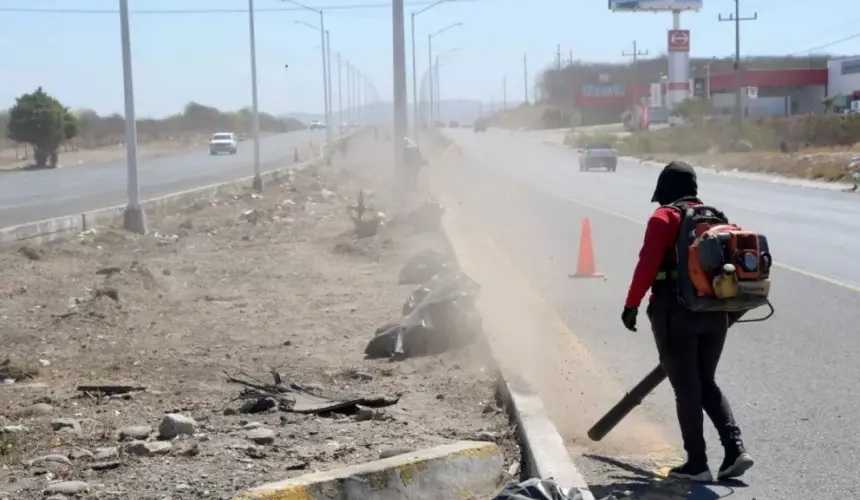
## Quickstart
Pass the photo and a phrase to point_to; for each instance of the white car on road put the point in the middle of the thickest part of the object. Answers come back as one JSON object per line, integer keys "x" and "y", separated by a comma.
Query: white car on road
{"x": 223, "y": 142}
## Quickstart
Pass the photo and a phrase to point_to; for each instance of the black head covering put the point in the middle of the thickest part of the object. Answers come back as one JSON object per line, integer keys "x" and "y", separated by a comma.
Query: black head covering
{"x": 676, "y": 181}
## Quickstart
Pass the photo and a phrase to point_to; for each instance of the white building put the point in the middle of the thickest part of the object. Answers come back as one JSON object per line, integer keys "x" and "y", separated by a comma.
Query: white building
{"x": 843, "y": 80}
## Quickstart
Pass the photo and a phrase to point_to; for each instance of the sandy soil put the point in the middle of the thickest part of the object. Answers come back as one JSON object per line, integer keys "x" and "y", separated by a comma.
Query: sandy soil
{"x": 245, "y": 283}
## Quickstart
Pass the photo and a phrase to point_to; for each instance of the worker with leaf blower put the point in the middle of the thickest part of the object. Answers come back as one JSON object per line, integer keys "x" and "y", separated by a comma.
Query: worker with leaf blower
{"x": 704, "y": 274}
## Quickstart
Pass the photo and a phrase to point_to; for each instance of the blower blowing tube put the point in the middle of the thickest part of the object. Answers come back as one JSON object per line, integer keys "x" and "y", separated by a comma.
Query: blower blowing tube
{"x": 630, "y": 401}
{"x": 646, "y": 386}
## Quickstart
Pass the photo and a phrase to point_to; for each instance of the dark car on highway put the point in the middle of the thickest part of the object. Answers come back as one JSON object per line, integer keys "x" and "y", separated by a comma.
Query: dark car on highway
{"x": 598, "y": 155}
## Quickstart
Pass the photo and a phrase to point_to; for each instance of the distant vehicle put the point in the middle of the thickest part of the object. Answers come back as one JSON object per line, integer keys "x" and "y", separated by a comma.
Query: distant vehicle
{"x": 223, "y": 142}
{"x": 453, "y": 124}
{"x": 317, "y": 125}
{"x": 598, "y": 155}
{"x": 480, "y": 125}
{"x": 353, "y": 124}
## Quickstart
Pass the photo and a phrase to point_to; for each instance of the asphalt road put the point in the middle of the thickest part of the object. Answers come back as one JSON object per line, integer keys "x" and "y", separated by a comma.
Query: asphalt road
{"x": 35, "y": 195}
{"x": 791, "y": 379}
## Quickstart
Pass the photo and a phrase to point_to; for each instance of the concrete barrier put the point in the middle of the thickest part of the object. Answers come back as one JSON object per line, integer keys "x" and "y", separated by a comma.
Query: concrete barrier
{"x": 463, "y": 470}
{"x": 67, "y": 226}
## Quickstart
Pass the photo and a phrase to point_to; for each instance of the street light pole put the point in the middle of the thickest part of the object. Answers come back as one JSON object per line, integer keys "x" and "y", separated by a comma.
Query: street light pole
{"x": 526, "y": 78}
{"x": 328, "y": 79}
{"x": 348, "y": 92}
{"x": 432, "y": 121}
{"x": 325, "y": 79}
{"x": 430, "y": 66}
{"x": 326, "y": 65}
{"x": 505, "y": 93}
{"x": 415, "y": 97}
{"x": 134, "y": 218}
{"x": 255, "y": 118}
{"x": 339, "y": 92}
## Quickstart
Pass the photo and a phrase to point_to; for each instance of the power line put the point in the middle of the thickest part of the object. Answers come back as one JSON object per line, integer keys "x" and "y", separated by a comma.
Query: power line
{"x": 829, "y": 44}
{"x": 357, "y": 6}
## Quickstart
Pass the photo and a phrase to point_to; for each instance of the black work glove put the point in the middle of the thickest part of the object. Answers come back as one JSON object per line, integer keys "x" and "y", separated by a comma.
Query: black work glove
{"x": 628, "y": 317}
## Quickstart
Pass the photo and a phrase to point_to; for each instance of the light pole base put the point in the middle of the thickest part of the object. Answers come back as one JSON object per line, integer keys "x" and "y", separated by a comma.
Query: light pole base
{"x": 257, "y": 185}
{"x": 134, "y": 220}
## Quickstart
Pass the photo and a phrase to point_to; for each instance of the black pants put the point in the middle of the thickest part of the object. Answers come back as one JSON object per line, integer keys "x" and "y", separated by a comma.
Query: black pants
{"x": 690, "y": 345}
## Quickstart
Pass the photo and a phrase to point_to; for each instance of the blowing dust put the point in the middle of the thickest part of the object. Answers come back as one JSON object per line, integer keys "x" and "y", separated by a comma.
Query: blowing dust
{"x": 531, "y": 341}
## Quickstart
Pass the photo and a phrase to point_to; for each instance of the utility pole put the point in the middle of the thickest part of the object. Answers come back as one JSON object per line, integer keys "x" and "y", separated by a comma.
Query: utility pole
{"x": 257, "y": 183}
{"x": 134, "y": 218}
{"x": 505, "y": 93}
{"x": 558, "y": 57}
{"x": 635, "y": 80}
{"x": 339, "y": 93}
{"x": 348, "y": 91}
{"x": 526, "y": 78}
{"x": 400, "y": 121}
{"x": 736, "y": 18}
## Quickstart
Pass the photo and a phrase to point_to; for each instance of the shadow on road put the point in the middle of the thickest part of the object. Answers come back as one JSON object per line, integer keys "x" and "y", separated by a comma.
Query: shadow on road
{"x": 642, "y": 484}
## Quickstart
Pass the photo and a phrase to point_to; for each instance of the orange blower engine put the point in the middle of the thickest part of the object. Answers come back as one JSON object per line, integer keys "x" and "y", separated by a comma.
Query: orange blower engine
{"x": 721, "y": 267}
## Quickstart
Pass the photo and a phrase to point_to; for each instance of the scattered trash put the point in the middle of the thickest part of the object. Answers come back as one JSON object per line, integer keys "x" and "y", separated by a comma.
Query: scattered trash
{"x": 109, "y": 271}
{"x": 291, "y": 397}
{"x": 444, "y": 319}
{"x": 110, "y": 390}
{"x": 31, "y": 253}
{"x": 369, "y": 227}
{"x": 424, "y": 266}
{"x": 539, "y": 489}
{"x": 15, "y": 372}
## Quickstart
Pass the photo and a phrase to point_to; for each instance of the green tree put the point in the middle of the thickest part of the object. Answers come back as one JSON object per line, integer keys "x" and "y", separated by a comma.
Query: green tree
{"x": 692, "y": 110}
{"x": 828, "y": 102}
{"x": 43, "y": 122}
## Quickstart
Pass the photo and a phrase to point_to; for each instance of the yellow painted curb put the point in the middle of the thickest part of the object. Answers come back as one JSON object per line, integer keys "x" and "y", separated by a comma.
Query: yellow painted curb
{"x": 464, "y": 470}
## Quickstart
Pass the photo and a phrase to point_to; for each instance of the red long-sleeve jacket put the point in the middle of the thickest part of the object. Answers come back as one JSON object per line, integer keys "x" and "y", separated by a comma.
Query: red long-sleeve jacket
{"x": 660, "y": 236}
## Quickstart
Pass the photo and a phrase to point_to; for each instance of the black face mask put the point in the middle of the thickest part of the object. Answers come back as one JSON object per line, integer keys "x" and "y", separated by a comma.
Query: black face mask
{"x": 676, "y": 181}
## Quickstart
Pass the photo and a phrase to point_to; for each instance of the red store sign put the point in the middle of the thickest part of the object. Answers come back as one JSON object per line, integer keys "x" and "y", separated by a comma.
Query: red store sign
{"x": 679, "y": 40}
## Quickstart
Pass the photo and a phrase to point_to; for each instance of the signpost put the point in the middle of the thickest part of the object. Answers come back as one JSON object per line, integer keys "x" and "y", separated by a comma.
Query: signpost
{"x": 678, "y": 85}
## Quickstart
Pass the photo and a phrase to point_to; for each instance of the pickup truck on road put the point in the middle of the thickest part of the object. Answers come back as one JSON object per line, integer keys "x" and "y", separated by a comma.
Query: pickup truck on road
{"x": 598, "y": 155}
{"x": 223, "y": 142}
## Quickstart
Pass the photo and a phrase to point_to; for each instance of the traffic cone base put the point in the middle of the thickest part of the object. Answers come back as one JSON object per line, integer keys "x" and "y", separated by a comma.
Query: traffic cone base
{"x": 585, "y": 266}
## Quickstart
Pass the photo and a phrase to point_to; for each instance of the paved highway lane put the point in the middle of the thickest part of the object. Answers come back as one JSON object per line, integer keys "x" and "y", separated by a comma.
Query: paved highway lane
{"x": 34, "y": 195}
{"x": 791, "y": 379}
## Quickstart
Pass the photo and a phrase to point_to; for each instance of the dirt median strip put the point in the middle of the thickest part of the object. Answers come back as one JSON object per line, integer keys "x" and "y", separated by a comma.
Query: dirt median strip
{"x": 272, "y": 291}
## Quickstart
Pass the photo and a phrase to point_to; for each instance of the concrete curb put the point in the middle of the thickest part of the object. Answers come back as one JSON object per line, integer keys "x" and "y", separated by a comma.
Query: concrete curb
{"x": 464, "y": 470}
{"x": 68, "y": 226}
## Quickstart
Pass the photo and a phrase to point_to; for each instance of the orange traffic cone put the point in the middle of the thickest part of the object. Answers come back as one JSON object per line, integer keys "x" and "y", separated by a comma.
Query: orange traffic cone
{"x": 585, "y": 267}
{"x": 296, "y": 155}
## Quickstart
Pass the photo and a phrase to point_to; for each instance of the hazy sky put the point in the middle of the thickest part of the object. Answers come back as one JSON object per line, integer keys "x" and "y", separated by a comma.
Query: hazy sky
{"x": 205, "y": 56}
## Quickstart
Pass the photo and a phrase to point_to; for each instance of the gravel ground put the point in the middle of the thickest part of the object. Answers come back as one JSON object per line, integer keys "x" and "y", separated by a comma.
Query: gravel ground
{"x": 242, "y": 284}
